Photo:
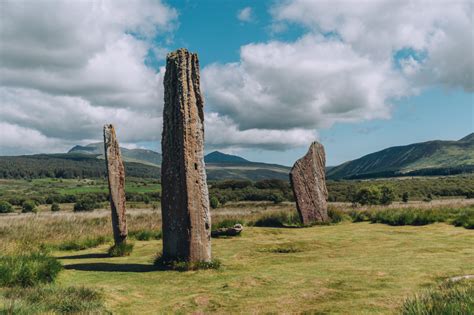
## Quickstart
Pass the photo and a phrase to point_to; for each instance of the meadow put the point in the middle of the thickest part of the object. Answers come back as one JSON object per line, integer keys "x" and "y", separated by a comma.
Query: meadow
{"x": 349, "y": 266}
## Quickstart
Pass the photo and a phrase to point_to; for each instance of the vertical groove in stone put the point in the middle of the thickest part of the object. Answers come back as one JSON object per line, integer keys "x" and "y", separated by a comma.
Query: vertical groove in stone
{"x": 185, "y": 198}
{"x": 308, "y": 180}
{"x": 116, "y": 180}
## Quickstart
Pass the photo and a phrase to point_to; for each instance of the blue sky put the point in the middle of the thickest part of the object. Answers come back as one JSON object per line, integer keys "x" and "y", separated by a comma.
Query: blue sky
{"x": 276, "y": 74}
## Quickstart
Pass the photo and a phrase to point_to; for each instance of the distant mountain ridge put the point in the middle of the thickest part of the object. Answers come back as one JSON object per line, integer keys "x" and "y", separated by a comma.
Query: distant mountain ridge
{"x": 426, "y": 158}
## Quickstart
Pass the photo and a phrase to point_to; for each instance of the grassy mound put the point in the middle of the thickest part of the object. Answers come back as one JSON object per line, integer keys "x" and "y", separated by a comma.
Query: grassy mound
{"x": 448, "y": 298}
{"x": 120, "y": 250}
{"x": 50, "y": 299}
{"x": 165, "y": 264}
{"x": 28, "y": 269}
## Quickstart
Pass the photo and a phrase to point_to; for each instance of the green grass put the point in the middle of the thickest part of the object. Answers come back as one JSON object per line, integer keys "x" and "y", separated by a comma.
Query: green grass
{"x": 448, "y": 298}
{"x": 28, "y": 269}
{"x": 82, "y": 244}
{"x": 145, "y": 235}
{"x": 341, "y": 269}
{"x": 51, "y": 299}
{"x": 120, "y": 250}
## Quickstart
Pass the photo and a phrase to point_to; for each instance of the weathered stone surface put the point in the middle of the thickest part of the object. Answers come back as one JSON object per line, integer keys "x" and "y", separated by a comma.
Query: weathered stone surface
{"x": 185, "y": 197}
{"x": 308, "y": 180}
{"x": 116, "y": 178}
{"x": 231, "y": 231}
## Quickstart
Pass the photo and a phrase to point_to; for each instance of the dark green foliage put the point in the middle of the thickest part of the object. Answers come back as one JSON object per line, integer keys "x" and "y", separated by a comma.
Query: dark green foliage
{"x": 387, "y": 196}
{"x": 28, "y": 269}
{"x": 145, "y": 235}
{"x": 120, "y": 250}
{"x": 336, "y": 215}
{"x": 272, "y": 184}
{"x": 367, "y": 196}
{"x": 412, "y": 216}
{"x": 55, "y": 207}
{"x": 163, "y": 264}
{"x": 448, "y": 298}
{"x": 29, "y": 206}
{"x": 51, "y": 299}
{"x": 233, "y": 184}
{"x": 279, "y": 219}
{"x": 82, "y": 244}
{"x": 85, "y": 204}
{"x": 5, "y": 207}
{"x": 214, "y": 202}
{"x": 405, "y": 197}
{"x": 277, "y": 197}
{"x": 226, "y": 223}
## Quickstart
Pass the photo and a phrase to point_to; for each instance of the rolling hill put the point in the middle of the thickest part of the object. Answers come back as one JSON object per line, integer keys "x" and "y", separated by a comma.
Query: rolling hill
{"x": 426, "y": 158}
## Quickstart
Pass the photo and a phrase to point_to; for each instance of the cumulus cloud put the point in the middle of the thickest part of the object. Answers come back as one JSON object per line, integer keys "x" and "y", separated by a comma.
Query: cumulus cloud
{"x": 66, "y": 68}
{"x": 245, "y": 15}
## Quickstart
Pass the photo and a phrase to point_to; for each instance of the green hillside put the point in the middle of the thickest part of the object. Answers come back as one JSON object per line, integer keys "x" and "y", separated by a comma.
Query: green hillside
{"x": 426, "y": 158}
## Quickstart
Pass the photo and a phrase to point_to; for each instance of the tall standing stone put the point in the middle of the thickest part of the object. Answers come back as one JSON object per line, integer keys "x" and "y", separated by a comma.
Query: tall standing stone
{"x": 185, "y": 198}
{"x": 308, "y": 180}
{"x": 116, "y": 178}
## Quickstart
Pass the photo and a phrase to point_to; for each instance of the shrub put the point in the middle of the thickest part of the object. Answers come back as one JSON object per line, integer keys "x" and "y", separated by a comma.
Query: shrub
{"x": 120, "y": 250}
{"x": 55, "y": 207}
{"x": 405, "y": 197}
{"x": 85, "y": 204}
{"x": 336, "y": 215}
{"x": 367, "y": 196}
{"x": 277, "y": 197}
{"x": 5, "y": 207}
{"x": 82, "y": 244}
{"x": 387, "y": 196}
{"x": 226, "y": 223}
{"x": 28, "y": 269}
{"x": 448, "y": 298}
{"x": 29, "y": 206}
{"x": 51, "y": 299}
{"x": 465, "y": 219}
{"x": 214, "y": 202}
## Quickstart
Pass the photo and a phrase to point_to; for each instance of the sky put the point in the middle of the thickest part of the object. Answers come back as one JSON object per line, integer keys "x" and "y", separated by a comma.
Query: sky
{"x": 358, "y": 76}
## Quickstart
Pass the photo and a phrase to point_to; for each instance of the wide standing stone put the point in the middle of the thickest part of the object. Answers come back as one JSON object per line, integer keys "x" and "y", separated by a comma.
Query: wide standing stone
{"x": 185, "y": 198}
{"x": 116, "y": 177}
{"x": 308, "y": 180}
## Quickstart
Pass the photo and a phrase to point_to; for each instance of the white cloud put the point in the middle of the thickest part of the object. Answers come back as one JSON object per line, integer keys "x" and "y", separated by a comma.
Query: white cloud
{"x": 65, "y": 73}
{"x": 245, "y": 15}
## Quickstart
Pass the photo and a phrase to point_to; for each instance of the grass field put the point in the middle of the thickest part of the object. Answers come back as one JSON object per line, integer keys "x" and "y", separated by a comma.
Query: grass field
{"x": 355, "y": 268}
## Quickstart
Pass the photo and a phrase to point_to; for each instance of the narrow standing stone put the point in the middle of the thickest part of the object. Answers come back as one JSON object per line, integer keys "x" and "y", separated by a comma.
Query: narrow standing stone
{"x": 308, "y": 180}
{"x": 185, "y": 199}
{"x": 116, "y": 178}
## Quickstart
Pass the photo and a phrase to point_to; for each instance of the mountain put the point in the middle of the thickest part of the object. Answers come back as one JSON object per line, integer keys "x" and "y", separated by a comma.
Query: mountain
{"x": 219, "y": 157}
{"x": 425, "y": 158}
{"x": 129, "y": 155}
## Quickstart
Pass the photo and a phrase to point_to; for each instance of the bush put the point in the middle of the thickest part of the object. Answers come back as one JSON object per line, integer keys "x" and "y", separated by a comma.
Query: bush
{"x": 120, "y": 250}
{"x": 28, "y": 269}
{"x": 29, "y": 206}
{"x": 277, "y": 198}
{"x": 5, "y": 207}
{"x": 448, "y": 298}
{"x": 465, "y": 219}
{"x": 336, "y": 215}
{"x": 367, "y": 196}
{"x": 82, "y": 244}
{"x": 226, "y": 223}
{"x": 214, "y": 202}
{"x": 405, "y": 197}
{"x": 387, "y": 196}
{"x": 85, "y": 204}
{"x": 55, "y": 207}
{"x": 51, "y": 299}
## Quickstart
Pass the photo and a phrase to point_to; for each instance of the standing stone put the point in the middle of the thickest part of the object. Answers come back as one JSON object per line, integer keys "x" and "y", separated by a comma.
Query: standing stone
{"x": 308, "y": 180}
{"x": 116, "y": 176}
{"x": 185, "y": 198}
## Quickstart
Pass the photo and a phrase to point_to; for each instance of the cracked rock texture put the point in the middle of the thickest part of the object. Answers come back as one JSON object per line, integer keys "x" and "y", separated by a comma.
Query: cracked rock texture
{"x": 116, "y": 178}
{"x": 308, "y": 180}
{"x": 185, "y": 197}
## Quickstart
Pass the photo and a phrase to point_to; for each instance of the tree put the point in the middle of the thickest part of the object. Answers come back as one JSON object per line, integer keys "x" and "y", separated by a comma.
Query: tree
{"x": 405, "y": 197}
{"x": 85, "y": 204}
{"x": 367, "y": 196}
{"x": 5, "y": 207}
{"x": 29, "y": 206}
{"x": 214, "y": 202}
{"x": 387, "y": 195}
